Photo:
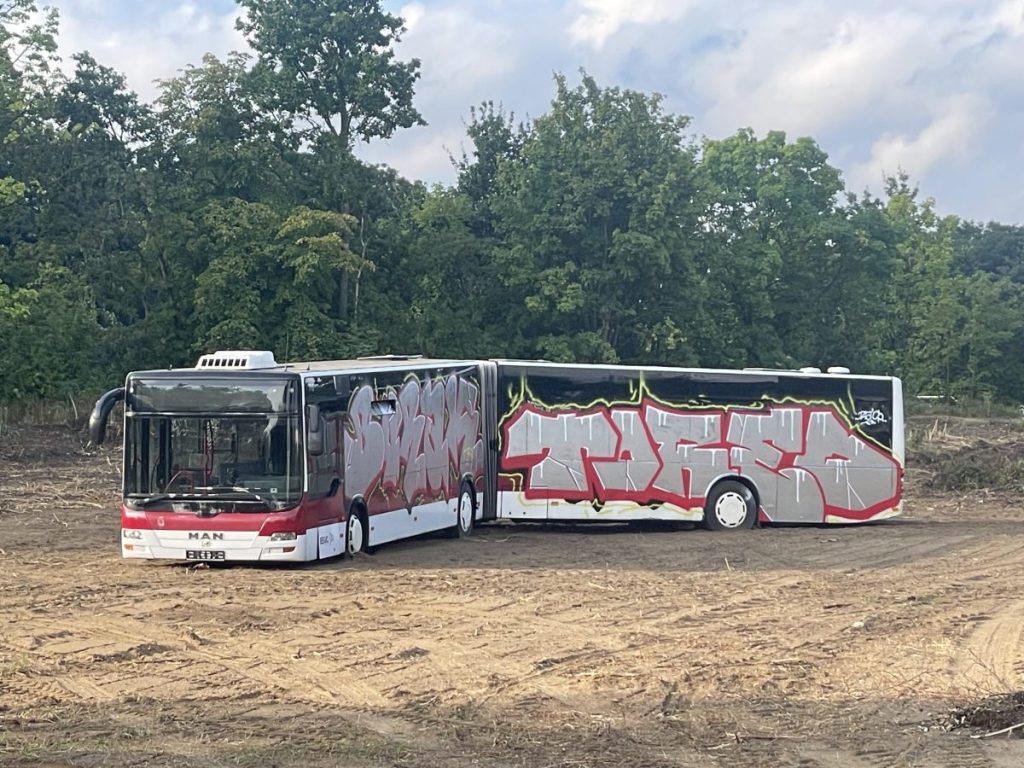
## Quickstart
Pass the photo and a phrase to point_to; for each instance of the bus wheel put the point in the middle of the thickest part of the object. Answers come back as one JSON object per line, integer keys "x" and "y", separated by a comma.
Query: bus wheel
{"x": 730, "y": 507}
{"x": 466, "y": 510}
{"x": 355, "y": 533}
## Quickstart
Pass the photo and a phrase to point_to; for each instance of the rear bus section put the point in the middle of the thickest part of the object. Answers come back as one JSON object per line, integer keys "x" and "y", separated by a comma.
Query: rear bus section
{"x": 726, "y": 448}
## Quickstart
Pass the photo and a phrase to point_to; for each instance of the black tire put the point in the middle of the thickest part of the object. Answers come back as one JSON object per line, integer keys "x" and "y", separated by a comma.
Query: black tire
{"x": 465, "y": 511}
{"x": 730, "y": 507}
{"x": 356, "y": 525}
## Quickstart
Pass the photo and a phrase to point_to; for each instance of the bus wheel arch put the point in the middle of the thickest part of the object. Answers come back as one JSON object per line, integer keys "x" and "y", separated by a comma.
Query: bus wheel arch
{"x": 731, "y": 504}
{"x": 357, "y": 529}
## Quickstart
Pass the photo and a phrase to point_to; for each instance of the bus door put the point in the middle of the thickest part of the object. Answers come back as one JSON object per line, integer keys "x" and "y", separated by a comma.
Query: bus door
{"x": 324, "y": 421}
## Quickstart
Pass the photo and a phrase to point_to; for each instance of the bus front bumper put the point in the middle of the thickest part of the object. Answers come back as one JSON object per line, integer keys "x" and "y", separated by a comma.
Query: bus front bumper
{"x": 214, "y": 546}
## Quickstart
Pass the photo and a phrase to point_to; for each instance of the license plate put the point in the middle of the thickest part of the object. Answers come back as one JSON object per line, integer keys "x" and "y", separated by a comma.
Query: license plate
{"x": 204, "y": 554}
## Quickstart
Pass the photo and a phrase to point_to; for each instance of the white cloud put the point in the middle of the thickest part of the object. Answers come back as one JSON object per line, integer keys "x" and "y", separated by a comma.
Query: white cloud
{"x": 922, "y": 86}
{"x": 466, "y": 57}
{"x": 148, "y": 47}
{"x": 935, "y": 87}
{"x": 411, "y": 14}
{"x": 950, "y": 136}
{"x": 598, "y": 20}
{"x": 1010, "y": 16}
{"x": 458, "y": 51}
{"x": 830, "y": 70}
{"x": 419, "y": 154}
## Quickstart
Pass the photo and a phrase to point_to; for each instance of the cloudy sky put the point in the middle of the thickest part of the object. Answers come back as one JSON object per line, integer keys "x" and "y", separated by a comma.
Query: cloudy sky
{"x": 934, "y": 88}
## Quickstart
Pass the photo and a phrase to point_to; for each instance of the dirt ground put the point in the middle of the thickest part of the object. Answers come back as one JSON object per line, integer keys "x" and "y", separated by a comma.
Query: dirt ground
{"x": 855, "y": 647}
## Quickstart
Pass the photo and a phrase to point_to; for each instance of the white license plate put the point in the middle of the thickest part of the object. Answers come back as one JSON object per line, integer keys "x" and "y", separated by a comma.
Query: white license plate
{"x": 204, "y": 554}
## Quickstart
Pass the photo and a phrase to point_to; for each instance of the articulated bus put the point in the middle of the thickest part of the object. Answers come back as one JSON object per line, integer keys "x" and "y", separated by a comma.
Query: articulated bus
{"x": 243, "y": 458}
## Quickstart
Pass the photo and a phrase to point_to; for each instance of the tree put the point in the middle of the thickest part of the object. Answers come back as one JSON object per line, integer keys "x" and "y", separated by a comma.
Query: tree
{"x": 496, "y": 139}
{"x": 28, "y": 45}
{"x": 48, "y": 336}
{"x": 27, "y": 75}
{"x": 450, "y": 284}
{"x": 318, "y": 252}
{"x": 594, "y": 220}
{"x": 331, "y": 65}
{"x": 926, "y": 318}
{"x": 217, "y": 140}
{"x": 270, "y": 280}
{"x": 235, "y": 293}
{"x": 789, "y": 272}
{"x": 992, "y": 362}
{"x": 997, "y": 249}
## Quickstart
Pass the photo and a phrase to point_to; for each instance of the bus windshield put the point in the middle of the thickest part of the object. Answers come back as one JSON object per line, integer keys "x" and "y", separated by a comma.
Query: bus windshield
{"x": 229, "y": 444}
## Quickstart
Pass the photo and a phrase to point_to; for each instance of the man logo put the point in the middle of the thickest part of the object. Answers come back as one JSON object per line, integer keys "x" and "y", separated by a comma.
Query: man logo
{"x": 205, "y": 536}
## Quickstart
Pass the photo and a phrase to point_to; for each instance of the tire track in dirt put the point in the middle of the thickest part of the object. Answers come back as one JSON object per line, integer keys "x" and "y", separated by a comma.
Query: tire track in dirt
{"x": 271, "y": 664}
{"x": 236, "y": 673}
{"x": 952, "y": 750}
{"x": 992, "y": 659}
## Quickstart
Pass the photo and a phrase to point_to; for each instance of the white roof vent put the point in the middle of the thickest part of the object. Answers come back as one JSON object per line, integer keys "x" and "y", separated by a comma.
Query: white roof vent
{"x": 838, "y": 369}
{"x": 810, "y": 369}
{"x": 237, "y": 360}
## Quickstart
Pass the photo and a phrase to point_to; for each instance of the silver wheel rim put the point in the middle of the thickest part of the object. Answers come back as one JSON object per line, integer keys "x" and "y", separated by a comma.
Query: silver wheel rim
{"x": 355, "y": 534}
{"x": 465, "y": 512}
{"x": 731, "y": 509}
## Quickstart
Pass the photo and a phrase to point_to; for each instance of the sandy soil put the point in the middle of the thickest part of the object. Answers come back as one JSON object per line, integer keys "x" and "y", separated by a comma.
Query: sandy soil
{"x": 856, "y": 647}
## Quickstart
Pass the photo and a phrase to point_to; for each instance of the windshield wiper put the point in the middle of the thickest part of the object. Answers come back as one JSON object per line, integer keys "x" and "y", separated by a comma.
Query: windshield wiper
{"x": 145, "y": 501}
{"x": 199, "y": 493}
{"x": 223, "y": 489}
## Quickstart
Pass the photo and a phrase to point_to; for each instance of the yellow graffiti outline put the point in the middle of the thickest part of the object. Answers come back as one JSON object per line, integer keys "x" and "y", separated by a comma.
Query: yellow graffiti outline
{"x": 641, "y": 389}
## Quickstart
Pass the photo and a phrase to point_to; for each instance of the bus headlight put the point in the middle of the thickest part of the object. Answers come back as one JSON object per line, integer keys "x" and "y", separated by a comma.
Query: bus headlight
{"x": 283, "y": 536}
{"x": 131, "y": 533}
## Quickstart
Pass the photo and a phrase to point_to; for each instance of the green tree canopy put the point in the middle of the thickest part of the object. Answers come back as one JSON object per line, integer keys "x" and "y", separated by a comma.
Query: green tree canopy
{"x": 331, "y": 65}
{"x": 594, "y": 218}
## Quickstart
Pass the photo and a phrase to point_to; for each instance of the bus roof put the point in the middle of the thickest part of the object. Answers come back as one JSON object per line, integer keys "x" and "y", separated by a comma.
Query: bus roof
{"x": 751, "y": 372}
{"x": 361, "y": 364}
{"x": 236, "y": 362}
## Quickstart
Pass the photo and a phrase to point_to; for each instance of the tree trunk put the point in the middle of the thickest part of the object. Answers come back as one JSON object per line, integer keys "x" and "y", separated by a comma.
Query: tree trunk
{"x": 343, "y": 297}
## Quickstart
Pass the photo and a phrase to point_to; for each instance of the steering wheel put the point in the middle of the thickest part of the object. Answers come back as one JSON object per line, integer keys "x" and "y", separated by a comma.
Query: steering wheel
{"x": 185, "y": 478}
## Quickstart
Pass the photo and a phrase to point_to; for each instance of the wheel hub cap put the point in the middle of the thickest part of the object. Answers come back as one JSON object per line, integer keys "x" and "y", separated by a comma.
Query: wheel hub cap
{"x": 355, "y": 535}
{"x": 731, "y": 509}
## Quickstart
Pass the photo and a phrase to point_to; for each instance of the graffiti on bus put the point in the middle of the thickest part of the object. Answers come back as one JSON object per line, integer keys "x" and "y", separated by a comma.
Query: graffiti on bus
{"x": 653, "y": 453}
{"x": 414, "y": 442}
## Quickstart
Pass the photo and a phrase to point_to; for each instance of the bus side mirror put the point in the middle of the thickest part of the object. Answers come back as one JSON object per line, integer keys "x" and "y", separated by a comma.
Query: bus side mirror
{"x": 314, "y": 431}
{"x": 100, "y": 414}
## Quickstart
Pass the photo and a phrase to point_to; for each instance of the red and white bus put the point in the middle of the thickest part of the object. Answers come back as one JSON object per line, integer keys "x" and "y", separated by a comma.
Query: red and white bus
{"x": 242, "y": 458}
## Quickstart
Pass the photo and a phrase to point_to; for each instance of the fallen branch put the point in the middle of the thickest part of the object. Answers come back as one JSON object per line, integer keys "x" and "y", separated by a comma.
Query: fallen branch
{"x": 741, "y": 737}
{"x": 1000, "y": 731}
